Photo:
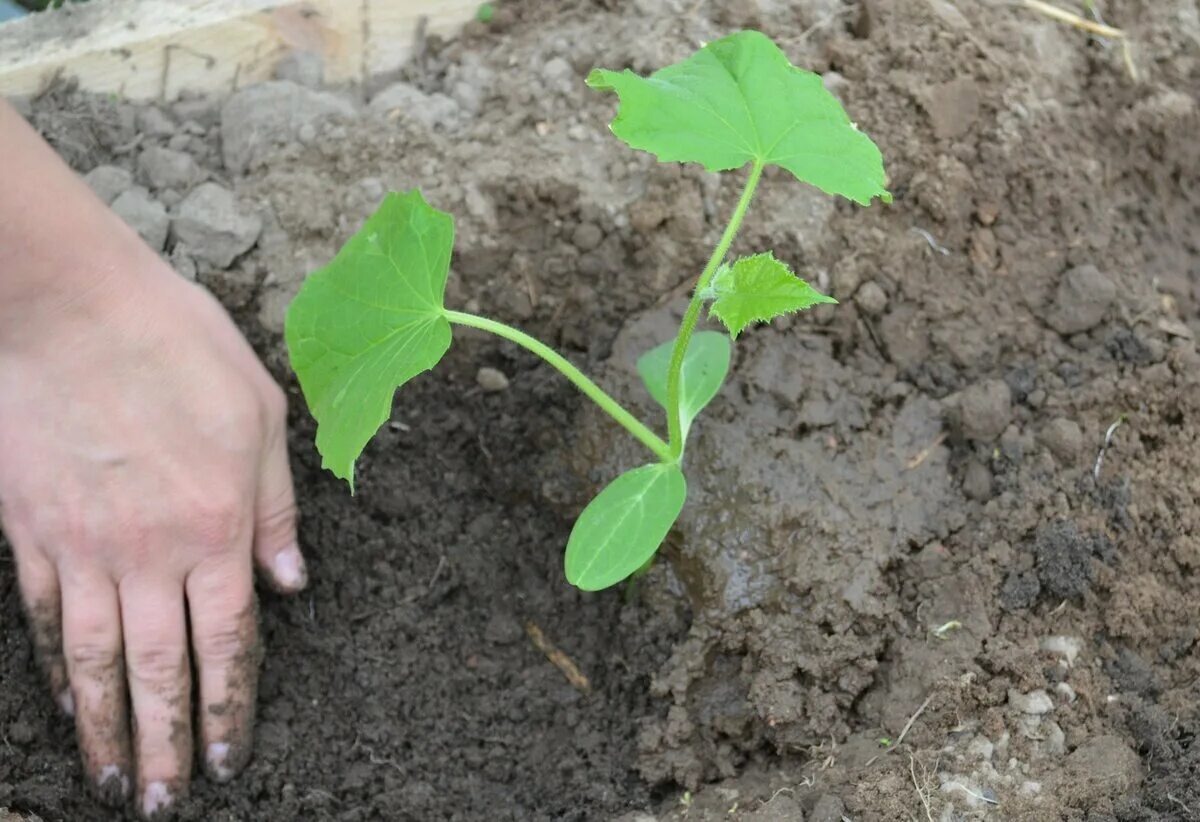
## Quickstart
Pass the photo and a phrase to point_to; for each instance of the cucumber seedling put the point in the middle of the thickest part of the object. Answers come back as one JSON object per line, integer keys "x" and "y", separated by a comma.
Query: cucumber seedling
{"x": 375, "y": 317}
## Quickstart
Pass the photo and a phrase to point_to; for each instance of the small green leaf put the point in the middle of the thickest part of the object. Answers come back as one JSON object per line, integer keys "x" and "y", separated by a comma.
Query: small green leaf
{"x": 739, "y": 100}
{"x": 369, "y": 322}
{"x": 624, "y": 525}
{"x": 704, "y": 368}
{"x": 759, "y": 289}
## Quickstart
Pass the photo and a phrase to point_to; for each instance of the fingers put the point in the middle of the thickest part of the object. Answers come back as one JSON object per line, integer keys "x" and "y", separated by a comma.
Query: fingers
{"x": 92, "y": 648}
{"x": 276, "y": 550}
{"x": 159, "y": 688}
{"x": 225, "y": 641}
{"x": 39, "y": 591}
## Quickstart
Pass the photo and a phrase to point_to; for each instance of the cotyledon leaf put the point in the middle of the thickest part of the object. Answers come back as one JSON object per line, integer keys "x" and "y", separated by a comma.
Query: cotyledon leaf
{"x": 623, "y": 526}
{"x": 739, "y": 100}
{"x": 369, "y": 322}
{"x": 705, "y": 365}
{"x": 759, "y": 289}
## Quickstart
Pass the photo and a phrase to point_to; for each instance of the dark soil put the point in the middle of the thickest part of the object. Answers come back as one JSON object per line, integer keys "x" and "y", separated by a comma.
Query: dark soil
{"x": 900, "y": 589}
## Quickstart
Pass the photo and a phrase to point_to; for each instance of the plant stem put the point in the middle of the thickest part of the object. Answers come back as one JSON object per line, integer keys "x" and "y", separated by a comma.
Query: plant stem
{"x": 594, "y": 392}
{"x": 674, "y": 425}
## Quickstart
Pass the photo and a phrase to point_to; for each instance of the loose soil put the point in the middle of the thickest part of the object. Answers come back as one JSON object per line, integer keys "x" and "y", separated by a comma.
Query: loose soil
{"x": 903, "y": 587}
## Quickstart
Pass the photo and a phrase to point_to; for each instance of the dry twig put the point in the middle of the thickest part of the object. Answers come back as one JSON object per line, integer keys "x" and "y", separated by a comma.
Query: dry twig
{"x": 560, "y": 660}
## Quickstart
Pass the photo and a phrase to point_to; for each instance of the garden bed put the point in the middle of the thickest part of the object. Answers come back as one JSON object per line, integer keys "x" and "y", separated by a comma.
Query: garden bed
{"x": 902, "y": 582}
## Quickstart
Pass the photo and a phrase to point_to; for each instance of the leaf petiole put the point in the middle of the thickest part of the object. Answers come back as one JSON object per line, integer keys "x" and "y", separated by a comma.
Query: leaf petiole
{"x": 674, "y": 424}
{"x": 594, "y": 392}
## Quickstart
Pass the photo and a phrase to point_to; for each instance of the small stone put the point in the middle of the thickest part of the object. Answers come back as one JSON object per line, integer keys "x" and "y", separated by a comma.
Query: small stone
{"x": 1102, "y": 765}
{"x": 165, "y": 168}
{"x": 871, "y": 298}
{"x": 109, "y": 182}
{"x": 558, "y": 73}
{"x": 977, "y": 481}
{"x": 587, "y": 236}
{"x": 952, "y": 107}
{"x": 491, "y": 380}
{"x": 145, "y": 215}
{"x": 154, "y": 122}
{"x": 986, "y": 409}
{"x": 1035, "y": 702}
{"x": 835, "y": 83}
{"x": 1068, "y": 647}
{"x": 1082, "y": 299}
{"x": 210, "y": 221}
{"x": 1063, "y": 439}
{"x": 304, "y": 68}
{"x": 407, "y": 102}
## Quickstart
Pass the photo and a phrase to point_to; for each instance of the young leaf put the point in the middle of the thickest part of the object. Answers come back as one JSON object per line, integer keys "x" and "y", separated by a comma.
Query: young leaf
{"x": 739, "y": 100}
{"x": 704, "y": 368}
{"x": 624, "y": 525}
{"x": 759, "y": 289}
{"x": 369, "y": 322}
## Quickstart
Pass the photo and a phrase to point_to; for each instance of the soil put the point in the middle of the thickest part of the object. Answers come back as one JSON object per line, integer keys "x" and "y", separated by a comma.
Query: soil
{"x": 904, "y": 586}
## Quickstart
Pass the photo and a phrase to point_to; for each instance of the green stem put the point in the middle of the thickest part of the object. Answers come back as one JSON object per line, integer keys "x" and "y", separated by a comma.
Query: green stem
{"x": 674, "y": 424}
{"x": 594, "y": 392}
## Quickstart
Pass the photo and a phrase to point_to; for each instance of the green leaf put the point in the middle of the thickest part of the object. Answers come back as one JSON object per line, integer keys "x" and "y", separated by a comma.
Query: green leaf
{"x": 739, "y": 100}
{"x": 369, "y": 322}
{"x": 705, "y": 365}
{"x": 624, "y": 525}
{"x": 759, "y": 289}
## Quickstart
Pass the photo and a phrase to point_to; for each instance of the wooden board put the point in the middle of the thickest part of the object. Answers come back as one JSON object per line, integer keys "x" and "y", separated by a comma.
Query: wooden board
{"x": 154, "y": 49}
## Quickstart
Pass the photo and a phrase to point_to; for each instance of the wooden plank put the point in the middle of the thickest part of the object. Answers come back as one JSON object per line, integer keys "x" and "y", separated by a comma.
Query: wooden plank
{"x": 154, "y": 49}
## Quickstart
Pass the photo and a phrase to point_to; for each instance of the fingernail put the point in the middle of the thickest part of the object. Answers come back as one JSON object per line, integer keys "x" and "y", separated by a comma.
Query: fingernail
{"x": 218, "y": 762}
{"x": 113, "y": 782}
{"x": 289, "y": 568}
{"x": 157, "y": 797}
{"x": 66, "y": 702}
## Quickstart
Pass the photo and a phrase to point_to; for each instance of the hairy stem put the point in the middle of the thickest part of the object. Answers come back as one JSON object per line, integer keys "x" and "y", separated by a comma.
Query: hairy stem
{"x": 674, "y": 424}
{"x": 596, "y": 394}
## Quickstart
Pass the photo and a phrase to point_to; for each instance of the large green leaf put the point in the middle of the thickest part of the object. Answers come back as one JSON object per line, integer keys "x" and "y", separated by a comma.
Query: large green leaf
{"x": 369, "y": 322}
{"x": 759, "y": 289}
{"x": 624, "y": 525}
{"x": 739, "y": 100}
{"x": 705, "y": 365}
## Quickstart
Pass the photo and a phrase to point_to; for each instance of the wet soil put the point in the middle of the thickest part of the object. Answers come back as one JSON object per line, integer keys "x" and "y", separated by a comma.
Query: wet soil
{"x": 904, "y": 586}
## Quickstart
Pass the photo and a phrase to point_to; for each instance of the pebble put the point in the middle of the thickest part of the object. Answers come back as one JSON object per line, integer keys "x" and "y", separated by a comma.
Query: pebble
{"x": 1063, "y": 438}
{"x": 986, "y": 409}
{"x": 211, "y": 222}
{"x": 1036, "y": 702}
{"x": 587, "y": 236}
{"x": 145, "y": 215}
{"x": 166, "y": 168}
{"x": 109, "y": 182}
{"x": 491, "y": 380}
{"x": 977, "y": 481}
{"x": 1081, "y": 301}
{"x": 154, "y": 122}
{"x": 871, "y": 298}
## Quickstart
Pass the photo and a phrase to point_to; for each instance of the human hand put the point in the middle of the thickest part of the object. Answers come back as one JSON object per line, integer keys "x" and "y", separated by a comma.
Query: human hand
{"x": 143, "y": 465}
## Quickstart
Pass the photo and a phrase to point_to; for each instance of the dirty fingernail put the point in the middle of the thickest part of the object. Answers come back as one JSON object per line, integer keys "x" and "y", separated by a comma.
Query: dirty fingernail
{"x": 156, "y": 797}
{"x": 66, "y": 702}
{"x": 113, "y": 784}
{"x": 289, "y": 568}
{"x": 218, "y": 762}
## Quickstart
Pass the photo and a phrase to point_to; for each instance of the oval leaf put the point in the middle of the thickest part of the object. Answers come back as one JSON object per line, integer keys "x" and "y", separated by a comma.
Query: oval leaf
{"x": 705, "y": 366}
{"x": 369, "y": 322}
{"x": 759, "y": 289}
{"x": 739, "y": 100}
{"x": 623, "y": 526}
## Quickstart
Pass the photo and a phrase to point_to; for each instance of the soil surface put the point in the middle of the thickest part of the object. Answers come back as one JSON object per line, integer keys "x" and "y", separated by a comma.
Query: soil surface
{"x": 904, "y": 586}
